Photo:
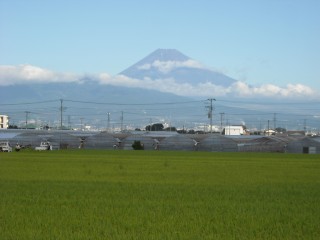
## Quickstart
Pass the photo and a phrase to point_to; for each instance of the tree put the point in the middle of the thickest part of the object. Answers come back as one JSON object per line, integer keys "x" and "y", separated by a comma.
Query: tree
{"x": 170, "y": 129}
{"x": 155, "y": 127}
{"x": 183, "y": 131}
{"x": 46, "y": 127}
{"x": 281, "y": 130}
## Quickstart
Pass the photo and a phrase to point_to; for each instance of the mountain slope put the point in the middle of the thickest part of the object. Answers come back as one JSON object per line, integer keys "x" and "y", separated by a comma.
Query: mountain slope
{"x": 87, "y": 91}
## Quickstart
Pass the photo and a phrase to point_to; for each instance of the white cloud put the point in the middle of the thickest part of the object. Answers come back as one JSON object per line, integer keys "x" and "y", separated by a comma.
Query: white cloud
{"x": 269, "y": 90}
{"x": 119, "y": 80}
{"x": 23, "y": 74}
{"x": 168, "y": 66}
{"x": 10, "y": 75}
{"x": 208, "y": 89}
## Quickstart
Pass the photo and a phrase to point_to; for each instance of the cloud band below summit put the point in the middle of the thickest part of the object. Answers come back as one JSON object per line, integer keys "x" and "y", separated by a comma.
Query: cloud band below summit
{"x": 28, "y": 74}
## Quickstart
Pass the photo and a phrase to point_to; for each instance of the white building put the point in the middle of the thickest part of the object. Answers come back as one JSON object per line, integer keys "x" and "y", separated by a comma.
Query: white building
{"x": 234, "y": 130}
{"x": 4, "y": 121}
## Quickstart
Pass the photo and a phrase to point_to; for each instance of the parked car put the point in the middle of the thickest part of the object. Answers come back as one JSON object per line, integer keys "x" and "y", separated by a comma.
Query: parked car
{"x": 44, "y": 146}
{"x": 5, "y": 147}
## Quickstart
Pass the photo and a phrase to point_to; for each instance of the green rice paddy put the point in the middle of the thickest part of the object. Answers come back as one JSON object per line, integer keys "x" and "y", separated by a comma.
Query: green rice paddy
{"x": 95, "y": 194}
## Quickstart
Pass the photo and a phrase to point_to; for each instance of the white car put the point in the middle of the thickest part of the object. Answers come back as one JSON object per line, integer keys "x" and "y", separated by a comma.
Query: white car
{"x": 44, "y": 146}
{"x": 5, "y": 147}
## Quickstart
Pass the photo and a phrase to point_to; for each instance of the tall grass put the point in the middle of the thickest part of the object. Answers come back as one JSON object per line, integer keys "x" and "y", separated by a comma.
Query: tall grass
{"x": 158, "y": 195}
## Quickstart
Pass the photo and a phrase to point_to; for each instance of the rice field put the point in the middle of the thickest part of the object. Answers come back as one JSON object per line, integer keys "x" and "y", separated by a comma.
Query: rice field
{"x": 101, "y": 194}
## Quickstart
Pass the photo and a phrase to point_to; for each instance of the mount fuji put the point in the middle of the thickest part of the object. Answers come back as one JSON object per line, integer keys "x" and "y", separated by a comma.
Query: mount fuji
{"x": 172, "y": 64}
{"x": 164, "y": 76}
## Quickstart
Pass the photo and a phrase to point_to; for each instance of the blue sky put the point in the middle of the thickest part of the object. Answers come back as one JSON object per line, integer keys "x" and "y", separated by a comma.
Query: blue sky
{"x": 254, "y": 41}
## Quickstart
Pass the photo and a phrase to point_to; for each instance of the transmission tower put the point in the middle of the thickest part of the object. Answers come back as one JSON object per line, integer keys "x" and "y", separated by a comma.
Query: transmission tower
{"x": 210, "y": 112}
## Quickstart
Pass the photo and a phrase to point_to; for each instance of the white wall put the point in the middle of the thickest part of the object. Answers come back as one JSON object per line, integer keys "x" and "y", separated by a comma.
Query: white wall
{"x": 233, "y": 130}
{"x": 4, "y": 121}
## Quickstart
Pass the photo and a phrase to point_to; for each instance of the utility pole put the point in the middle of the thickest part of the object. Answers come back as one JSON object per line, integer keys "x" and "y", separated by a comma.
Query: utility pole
{"x": 27, "y": 114}
{"x": 69, "y": 122}
{"x": 121, "y": 118}
{"x": 274, "y": 121}
{"x": 108, "y": 124}
{"x": 260, "y": 127}
{"x": 150, "y": 125}
{"x": 228, "y": 126}
{"x": 61, "y": 109}
{"x": 210, "y": 112}
{"x": 221, "y": 119}
{"x": 81, "y": 124}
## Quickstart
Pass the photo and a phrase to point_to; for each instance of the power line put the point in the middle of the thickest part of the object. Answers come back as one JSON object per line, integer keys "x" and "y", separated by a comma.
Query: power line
{"x": 134, "y": 104}
{"x": 268, "y": 103}
{"x": 26, "y": 103}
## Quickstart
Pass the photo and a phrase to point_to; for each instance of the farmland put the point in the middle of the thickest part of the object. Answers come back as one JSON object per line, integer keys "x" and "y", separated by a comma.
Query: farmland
{"x": 101, "y": 194}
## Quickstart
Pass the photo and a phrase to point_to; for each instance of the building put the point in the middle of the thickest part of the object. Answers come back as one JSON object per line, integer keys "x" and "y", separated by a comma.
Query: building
{"x": 217, "y": 143}
{"x": 4, "y": 122}
{"x": 307, "y": 145}
{"x": 233, "y": 130}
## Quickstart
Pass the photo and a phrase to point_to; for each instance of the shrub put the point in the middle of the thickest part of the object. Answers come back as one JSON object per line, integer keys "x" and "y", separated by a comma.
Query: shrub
{"x": 137, "y": 145}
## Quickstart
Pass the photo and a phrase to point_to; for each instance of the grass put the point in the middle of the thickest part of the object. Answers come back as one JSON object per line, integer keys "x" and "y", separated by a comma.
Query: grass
{"x": 94, "y": 194}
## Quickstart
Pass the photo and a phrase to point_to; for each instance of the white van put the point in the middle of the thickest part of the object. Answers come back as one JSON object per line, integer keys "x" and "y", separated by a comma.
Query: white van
{"x": 5, "y": 147}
